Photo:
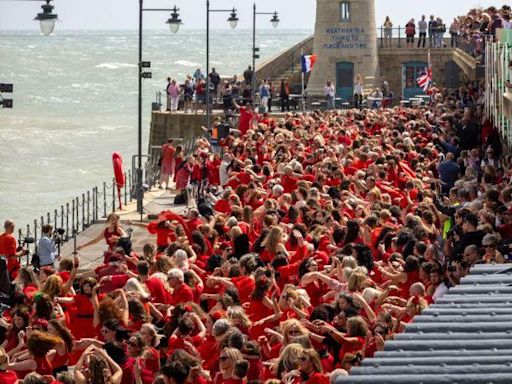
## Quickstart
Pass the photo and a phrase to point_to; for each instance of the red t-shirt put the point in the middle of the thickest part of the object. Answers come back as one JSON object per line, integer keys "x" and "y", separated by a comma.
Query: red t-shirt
{"x": 181, "y": 295}
{"x": 7, "y": 244}
{"x": 245, "y": 286}
{"x": 244, "y": 121}
{"x": 8, "y": 377}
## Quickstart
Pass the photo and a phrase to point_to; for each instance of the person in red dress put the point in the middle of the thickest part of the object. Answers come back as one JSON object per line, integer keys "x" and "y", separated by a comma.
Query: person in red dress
{"x": 35, "y": 358}
{"x": 167, "y": 165}
{"x": 112, "y": 233}
{"x": 60, "y": 357}
{"x": 183, "y": 172}
{"x": 81, "y": 309}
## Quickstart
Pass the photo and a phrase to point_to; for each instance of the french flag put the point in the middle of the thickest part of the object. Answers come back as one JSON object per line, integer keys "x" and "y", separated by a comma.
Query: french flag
{"x": 308, "y": 62}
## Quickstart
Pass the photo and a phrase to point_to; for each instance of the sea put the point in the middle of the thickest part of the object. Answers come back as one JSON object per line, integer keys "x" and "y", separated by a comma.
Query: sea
{"x": 75, "y": 103}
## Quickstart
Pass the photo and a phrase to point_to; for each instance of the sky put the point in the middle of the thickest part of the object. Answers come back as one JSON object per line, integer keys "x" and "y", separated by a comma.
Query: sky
{"x": 294, "y": 14}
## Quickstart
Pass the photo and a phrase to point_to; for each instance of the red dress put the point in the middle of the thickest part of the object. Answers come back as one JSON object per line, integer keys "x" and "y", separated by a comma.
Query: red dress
{"x": 60, "y": 361}
{"x": 183, "y": 176}
{"x": 8, "y": 377}
{"x": 107, "y": 234}
{"x": 81, "y": 324}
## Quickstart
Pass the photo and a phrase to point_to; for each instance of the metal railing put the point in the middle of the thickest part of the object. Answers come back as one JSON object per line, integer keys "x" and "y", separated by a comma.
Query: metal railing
{"x": 397, "y": 38}
{"x": 82, "y": 211}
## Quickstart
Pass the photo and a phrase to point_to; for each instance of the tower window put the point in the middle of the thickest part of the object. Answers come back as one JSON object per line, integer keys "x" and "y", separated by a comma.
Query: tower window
{"x": 345, "y": 11}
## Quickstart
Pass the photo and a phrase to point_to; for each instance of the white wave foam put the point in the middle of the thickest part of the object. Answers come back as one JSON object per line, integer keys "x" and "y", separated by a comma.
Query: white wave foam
{"x": 115, "y": 65}
{"x": 187, "y": 63}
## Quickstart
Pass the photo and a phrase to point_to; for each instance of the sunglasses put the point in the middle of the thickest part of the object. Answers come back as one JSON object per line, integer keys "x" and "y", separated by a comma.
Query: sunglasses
{"x": 132, "y": 344}
{"x": 489, "y": 245}
{"x": 223, "y": 358}
{"x": 105, "y": 330}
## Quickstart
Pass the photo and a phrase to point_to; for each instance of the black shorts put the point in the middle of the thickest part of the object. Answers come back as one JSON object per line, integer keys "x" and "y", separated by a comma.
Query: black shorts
{"x": 410, "y": 38}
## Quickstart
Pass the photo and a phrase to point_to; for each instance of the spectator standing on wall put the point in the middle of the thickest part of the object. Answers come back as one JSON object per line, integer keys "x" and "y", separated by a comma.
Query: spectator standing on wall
{"x": 432, "y": 28}
{"x": 271, "y": 91}
{"x": 198, "y": 75}
{"x": 248, "y": 76}
{"x": 174, "y": 92}
{"x": 388, "y": 32}
{"x": 422, "y": 27}
{"x": 329, "y": 95}
{"x": 410, "y": 31}
{"x": 168, "y": 90}
{"x": 264, "y": 95}
{"x": 441, "y": 30}
{"x": 214, "y": 82}
{"x": 284, "y": 94}
{"x": 358, "y": 90}
{"x": 454, "y": 33}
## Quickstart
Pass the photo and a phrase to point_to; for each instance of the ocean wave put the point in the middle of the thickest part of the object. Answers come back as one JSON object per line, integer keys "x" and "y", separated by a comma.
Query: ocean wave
{"x": 187, "y": 63}
{"x": 115, "y": 65}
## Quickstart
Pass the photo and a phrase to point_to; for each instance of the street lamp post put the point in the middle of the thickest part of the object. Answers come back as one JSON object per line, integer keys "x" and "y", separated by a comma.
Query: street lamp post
{"x": 233, "y": 22}
{"x": 174, "y": 25}
{"x": 255, "y": 51}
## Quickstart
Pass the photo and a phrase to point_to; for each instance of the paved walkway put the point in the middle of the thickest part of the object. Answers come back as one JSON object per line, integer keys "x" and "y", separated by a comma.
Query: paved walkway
{"x": 155, "y": 201}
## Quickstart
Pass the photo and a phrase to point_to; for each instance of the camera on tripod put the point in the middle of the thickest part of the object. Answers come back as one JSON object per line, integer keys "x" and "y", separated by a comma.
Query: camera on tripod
{"x": 58, "y": 236}
{"x": 24, "y": 242}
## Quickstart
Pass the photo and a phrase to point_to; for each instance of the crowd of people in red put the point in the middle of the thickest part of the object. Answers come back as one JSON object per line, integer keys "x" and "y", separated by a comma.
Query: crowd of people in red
{"x": 329, "y": 232}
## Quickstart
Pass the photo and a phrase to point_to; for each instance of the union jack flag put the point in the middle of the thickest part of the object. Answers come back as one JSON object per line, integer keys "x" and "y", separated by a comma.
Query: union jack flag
{"x": 425, "y": 79}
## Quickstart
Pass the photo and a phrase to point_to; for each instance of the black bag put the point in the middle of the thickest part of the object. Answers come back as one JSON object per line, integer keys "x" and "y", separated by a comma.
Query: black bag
{"x": 181, "y": 198}
{"x": 36, "y": 261}
{"x": 160, "y": 160}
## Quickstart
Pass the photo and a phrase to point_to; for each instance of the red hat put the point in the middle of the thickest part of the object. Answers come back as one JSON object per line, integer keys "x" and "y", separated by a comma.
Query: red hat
{"x": 224, "y": 245}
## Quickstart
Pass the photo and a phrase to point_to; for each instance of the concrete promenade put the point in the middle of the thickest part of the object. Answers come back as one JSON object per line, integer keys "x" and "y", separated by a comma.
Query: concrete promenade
{"x": 155, "y": 201}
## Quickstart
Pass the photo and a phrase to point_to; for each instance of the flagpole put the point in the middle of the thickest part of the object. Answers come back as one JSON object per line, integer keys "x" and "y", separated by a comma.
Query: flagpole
{"x": 302, "y": 70}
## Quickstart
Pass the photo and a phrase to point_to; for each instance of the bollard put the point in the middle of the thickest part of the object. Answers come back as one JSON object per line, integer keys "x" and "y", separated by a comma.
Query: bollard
{"x": 125, "y": 191}
{"x": 67, "y": 221}
{"x": 35, "y": 230}
{"x": 73, "y": 215}
{"x": 88, "y": 208}
{"x": 114, "y": 187}
{"x": 104, "y": 199}
{"x": 83, "y": 211}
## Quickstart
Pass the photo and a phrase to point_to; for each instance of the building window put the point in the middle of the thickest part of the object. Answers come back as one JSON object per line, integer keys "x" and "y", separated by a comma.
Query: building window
{"x": 345, "y": 11}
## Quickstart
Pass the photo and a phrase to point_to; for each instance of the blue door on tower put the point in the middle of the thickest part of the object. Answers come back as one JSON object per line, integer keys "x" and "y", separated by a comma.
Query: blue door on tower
{"x": 410, "y": 73}
{"x": 345, "y": 80}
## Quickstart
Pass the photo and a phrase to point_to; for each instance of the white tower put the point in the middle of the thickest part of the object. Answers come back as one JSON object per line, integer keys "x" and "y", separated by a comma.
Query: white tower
{"x": 345, "y": 44}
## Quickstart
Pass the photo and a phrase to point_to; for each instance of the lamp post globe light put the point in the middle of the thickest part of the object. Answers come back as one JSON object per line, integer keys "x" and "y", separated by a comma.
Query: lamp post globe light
{"x": 47, "y": 18}
{"x": 275, "y": 20}
{"x": 233, "y": 19}
{"x": 255, "y": 51}
{"x": 233, "y": 23}
{"x": 174, "y": 21}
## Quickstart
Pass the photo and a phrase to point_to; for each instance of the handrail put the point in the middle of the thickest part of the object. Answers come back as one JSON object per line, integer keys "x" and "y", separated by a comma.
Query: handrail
{"x": 289, "y": 58}
{"x": 80, "y": 213}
